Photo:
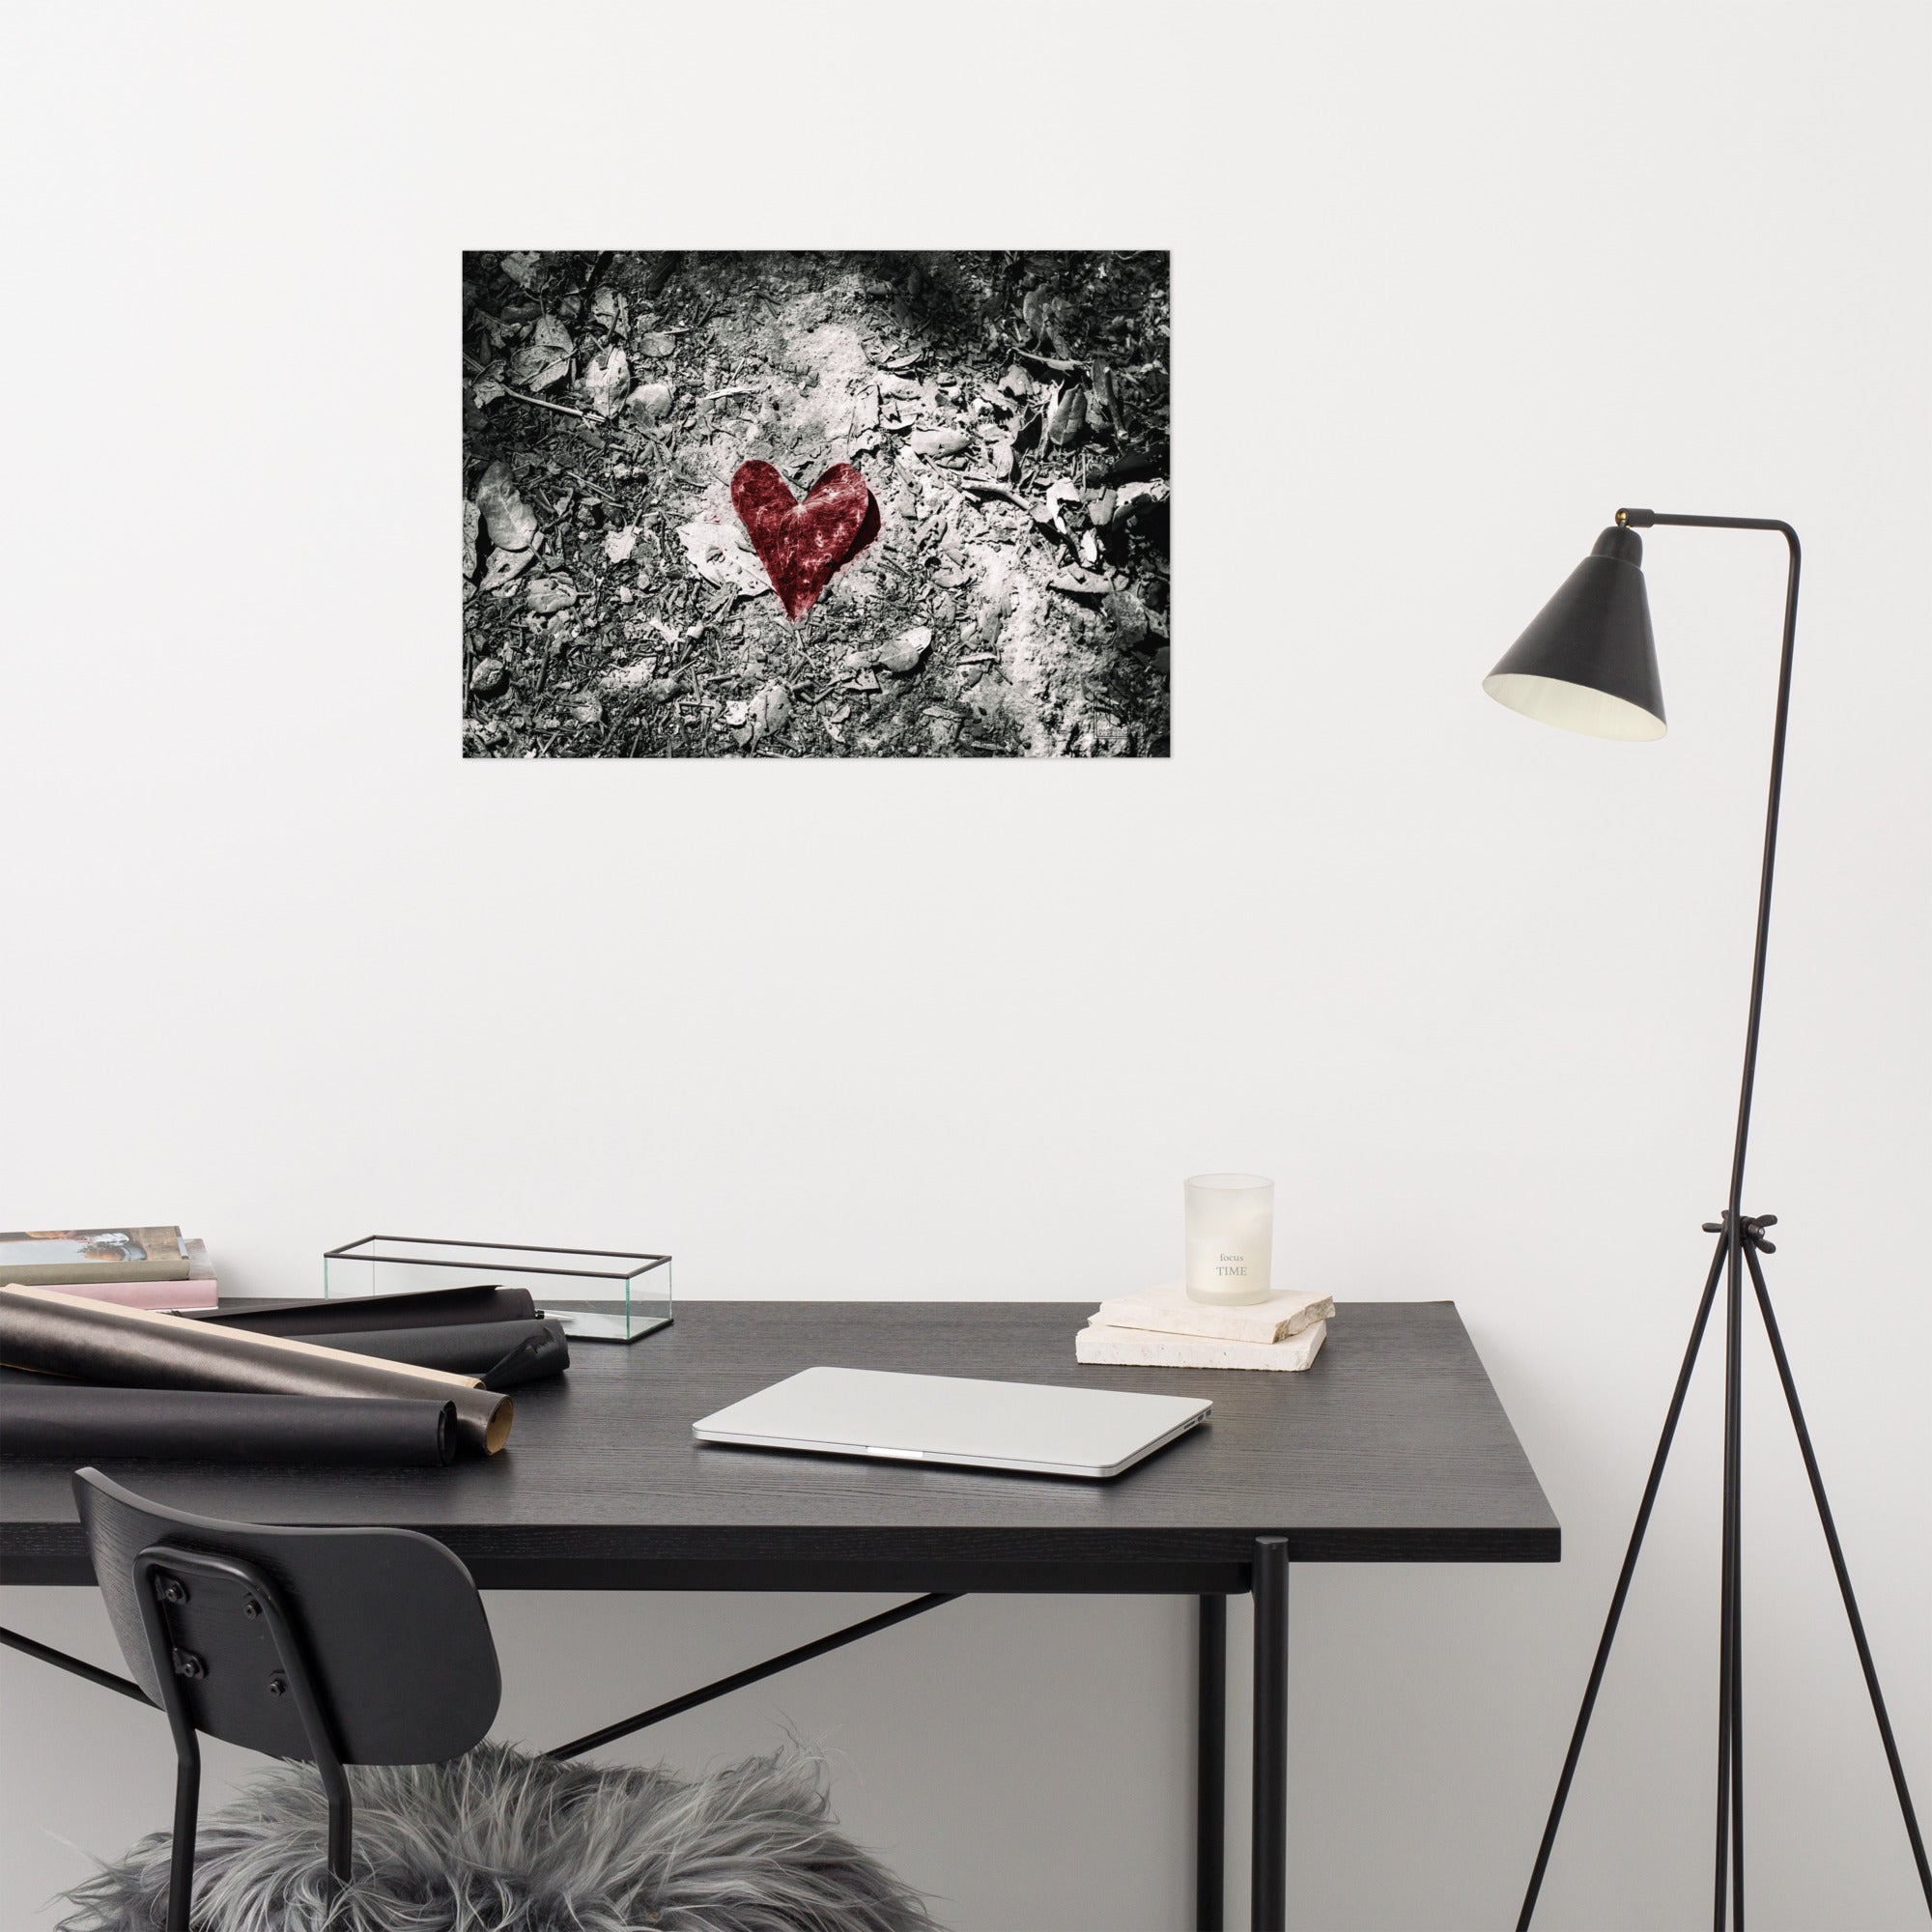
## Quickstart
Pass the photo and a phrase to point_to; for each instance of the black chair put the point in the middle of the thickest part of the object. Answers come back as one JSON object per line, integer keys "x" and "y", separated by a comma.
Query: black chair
{"x": 331, "y": 1646}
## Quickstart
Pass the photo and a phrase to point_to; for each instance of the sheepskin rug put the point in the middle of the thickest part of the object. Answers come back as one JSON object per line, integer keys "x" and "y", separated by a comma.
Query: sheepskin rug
{"x": 496, "y": 1841}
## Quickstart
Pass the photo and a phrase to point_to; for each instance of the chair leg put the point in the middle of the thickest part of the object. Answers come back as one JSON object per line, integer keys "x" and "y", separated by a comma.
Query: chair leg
{"x": 180, "y": 1864}
{"x": 341, "y": 1824}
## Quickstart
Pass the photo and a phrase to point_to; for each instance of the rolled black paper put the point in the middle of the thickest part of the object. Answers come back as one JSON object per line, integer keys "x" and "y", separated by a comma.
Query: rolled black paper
{"x": 138, "y": 1348}
{"x": 524, "y": 1363}
{"x": 364, "y": 1313}
{"x": 69, "y": 1423}
{"x": 466, "y": 1348}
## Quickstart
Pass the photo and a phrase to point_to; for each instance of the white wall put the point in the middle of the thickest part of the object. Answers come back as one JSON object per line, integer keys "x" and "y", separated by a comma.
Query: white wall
{"x": 1450, "y": 285}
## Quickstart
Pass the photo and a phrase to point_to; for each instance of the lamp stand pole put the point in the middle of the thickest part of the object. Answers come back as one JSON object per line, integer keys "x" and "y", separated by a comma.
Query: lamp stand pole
{"x": 1741, "y": 1240}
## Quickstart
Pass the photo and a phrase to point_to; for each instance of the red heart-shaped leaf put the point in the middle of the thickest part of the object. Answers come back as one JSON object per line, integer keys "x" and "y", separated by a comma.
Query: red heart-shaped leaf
{"x": 802, "y": 544}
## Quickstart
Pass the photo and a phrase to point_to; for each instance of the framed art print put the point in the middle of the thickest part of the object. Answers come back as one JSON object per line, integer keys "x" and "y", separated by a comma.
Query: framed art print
{"x": 805, "y": 504}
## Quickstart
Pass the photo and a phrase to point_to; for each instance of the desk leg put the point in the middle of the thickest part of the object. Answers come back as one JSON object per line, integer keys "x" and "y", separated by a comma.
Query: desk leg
{"x": 1211, "y": 1765}
{"x": 1269, "y": 1894}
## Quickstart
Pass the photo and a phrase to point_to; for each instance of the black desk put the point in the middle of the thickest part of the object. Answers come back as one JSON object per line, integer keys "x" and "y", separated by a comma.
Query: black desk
{"x": 1391, "y": 1448}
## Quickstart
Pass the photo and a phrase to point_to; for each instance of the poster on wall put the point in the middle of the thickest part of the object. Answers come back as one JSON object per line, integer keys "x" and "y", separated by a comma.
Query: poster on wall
{"x": 816, "y": 505}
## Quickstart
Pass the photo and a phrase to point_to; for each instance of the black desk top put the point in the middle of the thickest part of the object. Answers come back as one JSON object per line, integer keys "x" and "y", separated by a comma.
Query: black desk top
{"x": 1392, "y": 1447}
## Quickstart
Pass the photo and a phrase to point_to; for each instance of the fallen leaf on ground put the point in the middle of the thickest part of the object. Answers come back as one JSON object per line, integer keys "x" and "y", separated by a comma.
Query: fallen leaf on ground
{"x": 1103, "y": 411}
{"x": 510, "y": 521}
{"x": 1134, "y": 498}
{"x": 1127, "y": 615}
{"x": 722, "y": 554}
{"x": 769, "y": 712}
{"x": 1079, "y": 583}
{"x": 620, "y": 544}
{"x": 656, "y": 346}
{"x": 904, "y": 651}
{"x": 550, "y": 594}
{"x": 505, "y": 567}
{"x": 1061, "y": 497}
{"x": 940, "y": 441}
{"x": 1017, "y": 381}
{"x": 518, "y": 266}
{"x": 1065, "y": 415}
{"x": 544, "y": 360}
{"x": 629, "y": 677}
{"x": 652, "y": 400}
{"x": 607, "y": 380}
{"x": 487, "y": 391}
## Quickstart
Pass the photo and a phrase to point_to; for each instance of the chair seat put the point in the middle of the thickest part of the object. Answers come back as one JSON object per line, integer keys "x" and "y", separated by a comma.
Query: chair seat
{"x": 499, "y": 1841}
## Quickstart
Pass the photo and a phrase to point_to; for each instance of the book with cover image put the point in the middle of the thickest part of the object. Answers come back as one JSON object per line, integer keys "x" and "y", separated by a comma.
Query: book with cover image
{"x": 76, "y": 1255}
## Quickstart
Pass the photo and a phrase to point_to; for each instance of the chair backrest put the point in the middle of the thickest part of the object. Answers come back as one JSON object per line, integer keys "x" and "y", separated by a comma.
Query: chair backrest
{"x": 391, "y": 1632}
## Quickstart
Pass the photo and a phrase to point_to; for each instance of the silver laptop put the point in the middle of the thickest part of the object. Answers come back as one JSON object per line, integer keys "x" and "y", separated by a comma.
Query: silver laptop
{"x": 1040, "y": 1430}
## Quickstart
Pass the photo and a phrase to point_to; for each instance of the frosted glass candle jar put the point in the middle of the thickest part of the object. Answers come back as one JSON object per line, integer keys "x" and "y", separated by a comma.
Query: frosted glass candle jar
{"x": 1229, "y": 1237}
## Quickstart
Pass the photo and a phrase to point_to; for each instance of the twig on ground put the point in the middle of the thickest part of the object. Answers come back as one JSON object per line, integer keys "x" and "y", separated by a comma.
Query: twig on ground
{"x": 589, "y": 287}
{"x": 1056, "y": 365}
{"x": 562, "y": 409}
{"x": 979, "y": 489}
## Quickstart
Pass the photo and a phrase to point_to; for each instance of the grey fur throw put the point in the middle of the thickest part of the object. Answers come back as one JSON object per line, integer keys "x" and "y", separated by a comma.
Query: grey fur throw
{"x": 495, "y": 1841}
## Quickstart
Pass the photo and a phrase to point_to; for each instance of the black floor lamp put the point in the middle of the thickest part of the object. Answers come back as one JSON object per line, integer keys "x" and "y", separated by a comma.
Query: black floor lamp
{"x": 1587, "y": 663}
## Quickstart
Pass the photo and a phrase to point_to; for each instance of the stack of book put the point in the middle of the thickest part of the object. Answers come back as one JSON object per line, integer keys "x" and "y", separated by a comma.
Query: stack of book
{"x": 132, "y": 1268}
{"x": 1162, "y": 1328}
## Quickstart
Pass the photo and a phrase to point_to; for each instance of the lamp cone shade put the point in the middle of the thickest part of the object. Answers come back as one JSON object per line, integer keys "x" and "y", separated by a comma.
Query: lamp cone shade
{"x": 1588, "y": 662}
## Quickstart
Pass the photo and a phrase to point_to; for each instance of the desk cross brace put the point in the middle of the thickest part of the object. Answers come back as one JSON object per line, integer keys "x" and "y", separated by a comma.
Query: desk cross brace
{"x": 738, "y": 1679}
{"x": 61, "y": 1660}
{"x": 107, "y": 1680}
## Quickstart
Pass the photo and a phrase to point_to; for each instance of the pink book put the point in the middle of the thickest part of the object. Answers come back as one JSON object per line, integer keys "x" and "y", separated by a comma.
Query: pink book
{"x": 160, "y": 1294}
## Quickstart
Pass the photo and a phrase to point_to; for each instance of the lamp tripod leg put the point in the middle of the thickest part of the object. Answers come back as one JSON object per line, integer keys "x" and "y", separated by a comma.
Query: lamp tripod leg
{"x": 1844, "y": 1574}
{"x": 1622, "y": 1590}
{"x": 1735, "y": 1454}
{"x": 1730, "y": 1858}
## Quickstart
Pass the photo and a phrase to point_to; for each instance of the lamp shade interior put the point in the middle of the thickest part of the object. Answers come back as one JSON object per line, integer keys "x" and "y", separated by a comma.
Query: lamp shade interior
{"x": 1588, "y": 662}
{"x": 1573, "y": 707}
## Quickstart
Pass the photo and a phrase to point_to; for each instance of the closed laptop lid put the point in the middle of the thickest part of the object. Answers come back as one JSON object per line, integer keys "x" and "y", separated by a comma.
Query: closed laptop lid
{"x": 954, "y": 1419}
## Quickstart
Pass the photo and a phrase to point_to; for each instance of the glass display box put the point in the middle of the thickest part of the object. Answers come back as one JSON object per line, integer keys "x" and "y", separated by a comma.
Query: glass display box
{"x": 598, "y": 1296}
